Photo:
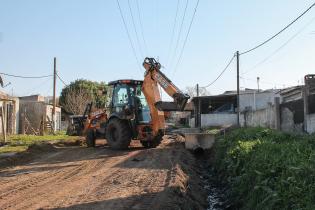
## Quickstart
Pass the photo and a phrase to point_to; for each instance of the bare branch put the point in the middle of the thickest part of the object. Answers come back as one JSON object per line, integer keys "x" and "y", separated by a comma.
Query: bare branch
{"x": 76, "y": 100}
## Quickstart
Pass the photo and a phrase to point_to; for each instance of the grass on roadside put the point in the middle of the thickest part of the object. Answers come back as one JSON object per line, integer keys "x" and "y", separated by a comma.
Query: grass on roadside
{"x": 12, "y": 149}
{"x": 20, "y": 143}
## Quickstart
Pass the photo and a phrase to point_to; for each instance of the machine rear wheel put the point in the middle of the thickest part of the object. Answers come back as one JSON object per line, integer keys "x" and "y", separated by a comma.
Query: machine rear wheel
{"x": 90, "y": 138}
{"x": 118, "y": 134}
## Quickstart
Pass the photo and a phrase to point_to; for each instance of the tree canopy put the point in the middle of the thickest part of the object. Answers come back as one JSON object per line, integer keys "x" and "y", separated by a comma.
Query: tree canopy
{"x": 192, "y": 91}
{"x": 78, "y": 94}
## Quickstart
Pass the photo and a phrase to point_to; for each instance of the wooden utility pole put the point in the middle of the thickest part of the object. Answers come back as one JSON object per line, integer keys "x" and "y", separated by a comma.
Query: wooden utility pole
{"x": 238, "y": 86}
{"x": 54, "y": 97}
{"x": 305, "y": 94}
{"x": 197, "y": 108}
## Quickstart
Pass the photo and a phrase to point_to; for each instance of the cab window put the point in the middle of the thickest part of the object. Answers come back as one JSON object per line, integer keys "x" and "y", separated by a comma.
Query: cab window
{"x": 120, "y": 95}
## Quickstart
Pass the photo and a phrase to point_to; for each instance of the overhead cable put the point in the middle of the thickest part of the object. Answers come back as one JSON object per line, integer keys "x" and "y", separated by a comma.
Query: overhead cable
{"x": 62, "y": 80}
{"x": 222, "y": 72}
{"x": 128, "y": 34}
{"x": 282, "y": 46}
{"x": 135, "y": 28}
{"x": 25, "y": 77}
{"x": 173, "y": 33}
{"x": 186, "y": 38}
{"x": 141, "y": 27}
{"x": 282, "y": 30}
{"x": 180, "y": 31}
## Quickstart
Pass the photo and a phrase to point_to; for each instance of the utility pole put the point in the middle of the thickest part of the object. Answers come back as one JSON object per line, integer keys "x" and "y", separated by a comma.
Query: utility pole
{"x": 258, "y": 83}
{"x": 238, "y": 86}
{"x": 306, "y": 93}
{"x": 197, "y": 121}
{"x": 54, "y": 98}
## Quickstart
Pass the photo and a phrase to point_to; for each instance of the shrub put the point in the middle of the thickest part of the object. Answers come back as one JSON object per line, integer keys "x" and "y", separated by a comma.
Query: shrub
{"x": 267, "y": 169}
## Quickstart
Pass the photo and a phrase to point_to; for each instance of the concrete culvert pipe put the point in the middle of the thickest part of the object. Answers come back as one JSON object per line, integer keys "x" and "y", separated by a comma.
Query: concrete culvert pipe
{"x": 198, "y": 150}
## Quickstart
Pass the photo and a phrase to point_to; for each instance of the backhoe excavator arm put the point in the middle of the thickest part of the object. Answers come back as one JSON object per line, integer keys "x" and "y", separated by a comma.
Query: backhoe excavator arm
{"x": 152, "y": 78}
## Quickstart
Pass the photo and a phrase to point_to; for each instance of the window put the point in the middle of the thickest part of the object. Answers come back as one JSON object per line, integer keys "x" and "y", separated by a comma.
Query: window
{"x": 143, "y": 107}
{"x": 120, "y": 96}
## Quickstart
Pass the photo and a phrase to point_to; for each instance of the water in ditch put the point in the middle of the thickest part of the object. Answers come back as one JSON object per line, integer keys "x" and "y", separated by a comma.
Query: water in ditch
{"x": 216, "y": 191}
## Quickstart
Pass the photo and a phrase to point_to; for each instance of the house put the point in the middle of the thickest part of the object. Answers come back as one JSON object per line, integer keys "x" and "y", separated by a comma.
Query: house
{"x": 9, "y": 109}
{"x": 291, "y": 109}
{"x": 181, "y": 118}
{"x": 298, "y": 107}
{"x": 219, "y": 110}
{"x": 36, "y": 115}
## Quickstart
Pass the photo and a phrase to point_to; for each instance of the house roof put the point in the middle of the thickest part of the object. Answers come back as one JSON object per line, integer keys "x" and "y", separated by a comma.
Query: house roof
{"x": 230, "y": 94}
{"x": 291, "y": 89}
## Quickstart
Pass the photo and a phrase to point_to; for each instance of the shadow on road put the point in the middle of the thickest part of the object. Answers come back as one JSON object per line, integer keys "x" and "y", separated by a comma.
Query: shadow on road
{"x": 171, "y": 198}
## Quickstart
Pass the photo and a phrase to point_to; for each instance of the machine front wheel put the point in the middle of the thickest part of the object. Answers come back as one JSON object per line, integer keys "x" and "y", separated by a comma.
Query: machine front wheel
{"x": 90, "y": 138}
{"x": 118, "y": 133}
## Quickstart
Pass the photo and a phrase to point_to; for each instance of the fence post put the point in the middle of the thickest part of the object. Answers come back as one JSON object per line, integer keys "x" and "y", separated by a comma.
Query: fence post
{"x": 3, "y": 124}
{"x": 305, "y": 104}
{"x": 277, "y": 114}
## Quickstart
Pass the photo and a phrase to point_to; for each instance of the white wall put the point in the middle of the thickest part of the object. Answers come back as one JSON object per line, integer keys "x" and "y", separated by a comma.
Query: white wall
{"x": 49, "y": 109}
{"x": 192, "y": 122}
{"x": 257, "y": 100}
{"x": 311, "y": 123}
{"x": 208, "y": 120}
{"x": 259, "y": 118}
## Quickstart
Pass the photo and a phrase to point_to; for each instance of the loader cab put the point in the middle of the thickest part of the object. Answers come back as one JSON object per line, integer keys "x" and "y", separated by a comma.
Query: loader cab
{"x": 127, "y": 101}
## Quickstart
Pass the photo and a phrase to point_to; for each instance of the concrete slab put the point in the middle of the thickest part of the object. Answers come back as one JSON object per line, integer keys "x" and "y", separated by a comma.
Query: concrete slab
{"x": 199, "y": 140}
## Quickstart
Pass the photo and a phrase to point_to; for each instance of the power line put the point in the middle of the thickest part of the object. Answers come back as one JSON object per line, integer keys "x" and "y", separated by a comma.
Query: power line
{"x": 26, "y": 77}
{"x": 128, "y": 34}
{"x": 30, "y": 91}
{"x": 135, "y": 29}
{"x": 185, "y": 41}
{"x": 226, "y": 67}
{"x": 141, "y": 27}
{"x": 281, "y": 47}
{"x": 180, "y": 31}
{"x": 282, "y": 30}
{"x": 173, "y": 33}
{"x": 61, "y": 80}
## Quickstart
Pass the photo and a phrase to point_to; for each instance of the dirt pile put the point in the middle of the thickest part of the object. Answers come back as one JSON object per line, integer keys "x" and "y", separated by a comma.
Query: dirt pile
{"x": 32, "y": 152}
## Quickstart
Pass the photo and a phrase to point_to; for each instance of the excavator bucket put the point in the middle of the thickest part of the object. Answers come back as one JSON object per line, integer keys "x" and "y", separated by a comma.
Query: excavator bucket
{"x": 169, "y": 106}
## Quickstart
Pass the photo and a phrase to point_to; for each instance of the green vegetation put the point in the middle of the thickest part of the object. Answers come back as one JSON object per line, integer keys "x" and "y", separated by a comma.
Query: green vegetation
{"x": 15, "y": 148}
{"x": 213, "y": 131}
{"x": 74, "y": 97}
{"x": 20, "y": 143}
{"x": 266, "y": 169}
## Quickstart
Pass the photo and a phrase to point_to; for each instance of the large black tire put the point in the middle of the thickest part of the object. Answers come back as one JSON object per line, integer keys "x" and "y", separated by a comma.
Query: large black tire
{"x": 118, "y": 133}
{"x": 153, "y": 143}
{"x": 90, "y": 138}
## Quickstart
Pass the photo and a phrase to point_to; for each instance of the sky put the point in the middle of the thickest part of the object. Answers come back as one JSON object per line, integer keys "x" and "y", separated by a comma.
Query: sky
{"x": 89, "y": 40}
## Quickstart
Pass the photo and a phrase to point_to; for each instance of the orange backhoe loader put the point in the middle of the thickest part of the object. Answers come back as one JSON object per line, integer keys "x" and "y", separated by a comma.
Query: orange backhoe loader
{"x": 135, "y": 110}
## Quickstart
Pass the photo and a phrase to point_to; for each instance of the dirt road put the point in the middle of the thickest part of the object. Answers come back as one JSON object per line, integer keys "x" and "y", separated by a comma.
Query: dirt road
{"x": 74, "y": 177}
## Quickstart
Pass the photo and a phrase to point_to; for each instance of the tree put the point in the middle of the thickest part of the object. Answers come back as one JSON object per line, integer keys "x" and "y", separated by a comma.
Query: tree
{"x": 79, "y": 93}
{"x": 192, "y": 91}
